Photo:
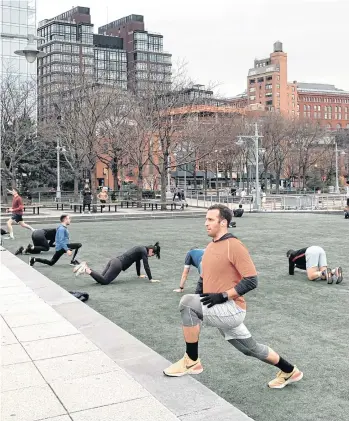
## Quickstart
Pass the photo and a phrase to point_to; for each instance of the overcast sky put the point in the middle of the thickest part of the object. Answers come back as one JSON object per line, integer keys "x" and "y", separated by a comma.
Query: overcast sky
{"x": 219, "y": 39}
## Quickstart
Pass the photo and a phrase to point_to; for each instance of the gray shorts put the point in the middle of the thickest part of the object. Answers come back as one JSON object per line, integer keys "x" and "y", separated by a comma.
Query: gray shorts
{"x": 227, "y": 317}
{"x": 315, "y": 257}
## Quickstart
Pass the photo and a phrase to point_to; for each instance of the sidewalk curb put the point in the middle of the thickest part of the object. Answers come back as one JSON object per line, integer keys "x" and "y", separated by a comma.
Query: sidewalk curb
{"x": 138, "y": 360}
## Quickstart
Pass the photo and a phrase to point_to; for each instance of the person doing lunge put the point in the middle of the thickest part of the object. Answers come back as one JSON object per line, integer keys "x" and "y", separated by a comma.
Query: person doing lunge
{"x": 63, "y": 246}
{"x": 228, "y": 274}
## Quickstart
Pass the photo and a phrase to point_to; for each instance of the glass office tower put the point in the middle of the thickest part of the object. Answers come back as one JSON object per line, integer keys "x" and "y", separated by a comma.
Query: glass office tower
{"x": 17, "y": 17}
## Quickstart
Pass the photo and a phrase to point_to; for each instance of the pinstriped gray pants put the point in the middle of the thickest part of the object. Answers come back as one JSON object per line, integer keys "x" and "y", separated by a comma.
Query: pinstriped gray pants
{"x": 227, "y": 317}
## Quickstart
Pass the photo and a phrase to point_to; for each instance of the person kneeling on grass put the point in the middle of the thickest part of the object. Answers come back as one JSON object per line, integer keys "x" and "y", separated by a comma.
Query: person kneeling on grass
{"x": 43, "y": 239}
{"x": 122, "y": 263}
{"x": 313, "y": 260}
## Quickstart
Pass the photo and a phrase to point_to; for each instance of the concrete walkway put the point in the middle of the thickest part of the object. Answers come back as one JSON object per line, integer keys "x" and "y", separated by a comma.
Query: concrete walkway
{"x": 52, "y": 215}
{"x": 61, "y": 361}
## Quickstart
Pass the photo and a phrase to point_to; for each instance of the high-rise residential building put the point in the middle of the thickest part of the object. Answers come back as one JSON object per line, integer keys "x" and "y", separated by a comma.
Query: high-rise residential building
{"x": 268, "y": 89}
{"x": 148, "y": 64}
{"x": 267, "y": 84}
{"x": 16, "y": 18}
{"x": 71, "y": 49}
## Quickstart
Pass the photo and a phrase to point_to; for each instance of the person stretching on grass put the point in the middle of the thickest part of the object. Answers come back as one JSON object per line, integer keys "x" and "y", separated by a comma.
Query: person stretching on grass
{"x": 313, "y": 259}
{"x": 42, "y": 239}
{"x": 62, "y": 245}
{"x": 222, "y": 304}
{"x": 193, "y": 258}
{"x": 122, "y": 263}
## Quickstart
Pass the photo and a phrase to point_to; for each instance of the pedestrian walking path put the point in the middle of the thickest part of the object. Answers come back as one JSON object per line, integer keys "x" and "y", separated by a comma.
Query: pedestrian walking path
{"x": 63, "y": 361}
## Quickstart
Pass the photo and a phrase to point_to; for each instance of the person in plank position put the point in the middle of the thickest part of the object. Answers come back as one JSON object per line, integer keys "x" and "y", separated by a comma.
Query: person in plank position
{"x": 122, "y": 263}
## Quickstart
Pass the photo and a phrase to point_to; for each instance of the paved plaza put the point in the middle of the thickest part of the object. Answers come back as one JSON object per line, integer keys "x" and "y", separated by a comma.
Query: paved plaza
{"x": 306, "y": 322}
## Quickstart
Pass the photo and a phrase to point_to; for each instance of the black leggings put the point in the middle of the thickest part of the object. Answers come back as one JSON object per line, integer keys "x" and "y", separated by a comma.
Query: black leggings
{"x": 59, "y": 254}
{"x": 40, "y": 243}
{"x": 111, "y": 271}
{"x": 88, "y": 207}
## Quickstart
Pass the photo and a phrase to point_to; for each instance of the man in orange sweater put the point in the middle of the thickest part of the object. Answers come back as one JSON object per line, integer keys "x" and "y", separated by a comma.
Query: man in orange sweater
{"x": 17, "y": 213}
{"x": 228, "y": 273}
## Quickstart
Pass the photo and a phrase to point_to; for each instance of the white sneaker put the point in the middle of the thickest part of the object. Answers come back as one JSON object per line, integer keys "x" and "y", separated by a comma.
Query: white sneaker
{"x": 12, "y": 237}
{"x": 79, "y": 269}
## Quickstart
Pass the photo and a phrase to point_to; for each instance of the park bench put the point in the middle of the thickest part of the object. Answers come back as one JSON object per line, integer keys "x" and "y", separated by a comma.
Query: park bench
{"x": 35, "y": 208}
{"x": 76, "y": 206}
{"x": 128, "y": 203}
{"x": 154, "y": 205}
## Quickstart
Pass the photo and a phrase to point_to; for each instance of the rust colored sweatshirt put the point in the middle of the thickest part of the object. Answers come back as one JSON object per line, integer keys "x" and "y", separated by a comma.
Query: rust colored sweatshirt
{"x": 225, "y": 263}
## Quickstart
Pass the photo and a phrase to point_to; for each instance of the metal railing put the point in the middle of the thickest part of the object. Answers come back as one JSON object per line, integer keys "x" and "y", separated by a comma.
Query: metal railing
{"x": 272, "y": 203}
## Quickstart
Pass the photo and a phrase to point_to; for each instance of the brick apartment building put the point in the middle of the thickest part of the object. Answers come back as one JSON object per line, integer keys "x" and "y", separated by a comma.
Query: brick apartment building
{"x": 268, "y": 89}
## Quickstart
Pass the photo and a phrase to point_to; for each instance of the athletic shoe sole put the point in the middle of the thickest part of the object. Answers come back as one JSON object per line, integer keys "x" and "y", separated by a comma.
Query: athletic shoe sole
{"x": 190, "y": 372}
{"x": 329, "y": 276}
{"x": 340, "y": 276}
{"x": 293, "y": 379}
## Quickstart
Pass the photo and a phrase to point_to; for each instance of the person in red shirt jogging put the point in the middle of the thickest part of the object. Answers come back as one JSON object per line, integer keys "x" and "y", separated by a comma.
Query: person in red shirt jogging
{"x": 17, "y": 213}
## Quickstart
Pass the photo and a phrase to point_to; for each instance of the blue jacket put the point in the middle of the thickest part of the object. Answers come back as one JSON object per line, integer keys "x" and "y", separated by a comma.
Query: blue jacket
{"x": 194, "y": 258}
{"x": 62, "y": 238}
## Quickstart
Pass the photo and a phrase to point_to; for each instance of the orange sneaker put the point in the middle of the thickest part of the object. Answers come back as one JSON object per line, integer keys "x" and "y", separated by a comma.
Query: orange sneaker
{"x": 283, "y": 379}
{"x": 184, "y": 366}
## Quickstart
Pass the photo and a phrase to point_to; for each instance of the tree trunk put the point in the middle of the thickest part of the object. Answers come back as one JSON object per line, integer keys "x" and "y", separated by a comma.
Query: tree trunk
{"x": 277, "y": 179}
{"x": 76, "y": 187}
{"x": 93, "y": 188}
{"x": 4, "y": 185}
{"x": 195, "y": 178}
{"x": 163, "y": 180}
{"x": 139, "y": 186}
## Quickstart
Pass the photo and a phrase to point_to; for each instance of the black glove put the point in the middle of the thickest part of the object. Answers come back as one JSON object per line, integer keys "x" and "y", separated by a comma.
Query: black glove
{"x": 211, "y": 300}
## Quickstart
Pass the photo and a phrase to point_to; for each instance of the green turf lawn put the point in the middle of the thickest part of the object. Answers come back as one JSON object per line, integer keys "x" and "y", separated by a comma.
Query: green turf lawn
{"x": 307, "y": 323}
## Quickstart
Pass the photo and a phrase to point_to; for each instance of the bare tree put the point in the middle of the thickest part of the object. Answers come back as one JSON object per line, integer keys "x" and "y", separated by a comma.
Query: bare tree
{"x": 308, "y": 146}
{"x": 169, "y": 110}
{"x": 80, "y": 112}
{"x": 19, "y": 139}
{"x": 276, "y": 144}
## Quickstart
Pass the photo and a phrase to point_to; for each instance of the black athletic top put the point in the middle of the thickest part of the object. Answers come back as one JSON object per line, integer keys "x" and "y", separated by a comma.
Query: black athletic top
{"x": 135, "y": 255}
{"x": 238, "y": 212}
{"x": 297, "y": 259}
{"x": 49, "y": 233}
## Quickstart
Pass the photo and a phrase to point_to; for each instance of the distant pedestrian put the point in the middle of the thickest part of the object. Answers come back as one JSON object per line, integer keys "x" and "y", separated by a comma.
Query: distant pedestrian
{"x": 17, "y": 213}
{"x": 242, "y": 196}
{"x": 87, "y": 199}
{"x": 103, "y": 196}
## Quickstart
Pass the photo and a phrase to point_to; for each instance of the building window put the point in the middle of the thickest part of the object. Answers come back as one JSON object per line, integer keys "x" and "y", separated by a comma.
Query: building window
{"x": 269, "y": 78}
{"x": 269, "y": 86}
{"x": 261, "y": 79}
{"x": 252, "y": 81}
{"x": 278, "y": 86}
{"x": 252, "y": 89}
{"x": 252, "y": 98}
{"x": 338, "y": 126}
